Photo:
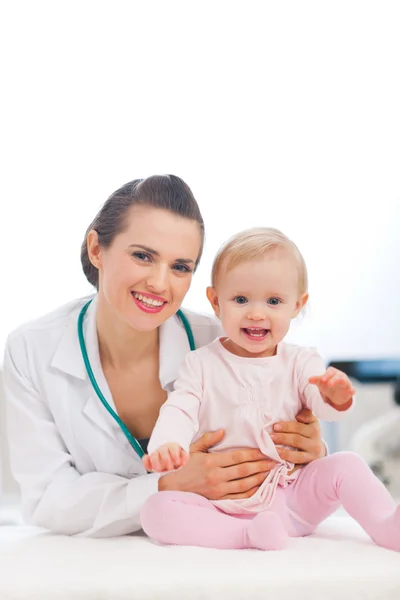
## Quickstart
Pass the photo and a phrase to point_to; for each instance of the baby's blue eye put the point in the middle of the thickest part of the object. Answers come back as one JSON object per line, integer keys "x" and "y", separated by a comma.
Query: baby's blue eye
{"x": 274, "y": 301}
{"x": 240, "y": 299}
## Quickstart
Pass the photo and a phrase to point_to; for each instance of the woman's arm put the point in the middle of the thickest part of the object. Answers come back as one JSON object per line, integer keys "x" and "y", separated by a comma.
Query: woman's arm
{"x": 54, "y": 494}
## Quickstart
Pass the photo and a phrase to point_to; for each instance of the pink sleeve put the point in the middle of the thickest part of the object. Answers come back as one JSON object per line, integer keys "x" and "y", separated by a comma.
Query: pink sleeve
{"x": 313, "y": 364}
{"x": 178, "y": 420}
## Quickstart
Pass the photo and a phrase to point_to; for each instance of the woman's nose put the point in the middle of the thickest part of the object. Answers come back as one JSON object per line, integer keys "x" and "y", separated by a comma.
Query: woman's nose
{"x": 158, "y": 279}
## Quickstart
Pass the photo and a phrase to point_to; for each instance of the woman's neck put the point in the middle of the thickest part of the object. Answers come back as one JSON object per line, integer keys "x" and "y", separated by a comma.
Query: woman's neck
{"x": 120, "y": 346}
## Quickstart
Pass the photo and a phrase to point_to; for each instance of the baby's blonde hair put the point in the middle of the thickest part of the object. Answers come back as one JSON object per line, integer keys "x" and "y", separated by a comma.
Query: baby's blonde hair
{"x": 252, "y": 244}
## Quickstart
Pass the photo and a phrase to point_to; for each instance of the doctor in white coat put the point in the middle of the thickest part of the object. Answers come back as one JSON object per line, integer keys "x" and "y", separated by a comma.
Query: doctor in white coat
{"x": 77, "y": 469}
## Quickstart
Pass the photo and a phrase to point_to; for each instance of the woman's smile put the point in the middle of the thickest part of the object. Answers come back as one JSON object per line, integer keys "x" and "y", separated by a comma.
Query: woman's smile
{"x": 148, "y": 302}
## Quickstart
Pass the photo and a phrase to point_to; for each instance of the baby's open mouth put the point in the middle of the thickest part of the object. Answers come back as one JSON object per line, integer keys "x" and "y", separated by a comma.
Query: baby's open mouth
{"x": 256, "y": 332}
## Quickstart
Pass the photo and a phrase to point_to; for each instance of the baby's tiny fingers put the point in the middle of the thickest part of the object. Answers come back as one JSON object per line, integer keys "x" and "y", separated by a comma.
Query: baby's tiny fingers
{"x": 175, "y": 452}
{"x": 347, "y": 387}
{"x": 175, "y": 457}
{"x": 166, "y": 461}
{"x": 147, "y": 462}
{"x": 155, "y": 462}
{"x": 327, "y": 377}
{"x": 334, "y": 382}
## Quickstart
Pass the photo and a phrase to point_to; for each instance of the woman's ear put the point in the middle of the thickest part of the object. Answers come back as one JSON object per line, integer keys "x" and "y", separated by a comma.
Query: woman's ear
{"x": 213, "y": 299}
{"x": 93, "y": 248}
{"x": 300, "y": 304}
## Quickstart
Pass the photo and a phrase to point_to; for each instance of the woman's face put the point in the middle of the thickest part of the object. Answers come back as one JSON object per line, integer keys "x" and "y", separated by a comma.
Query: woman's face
{"x": 145, "y": 273}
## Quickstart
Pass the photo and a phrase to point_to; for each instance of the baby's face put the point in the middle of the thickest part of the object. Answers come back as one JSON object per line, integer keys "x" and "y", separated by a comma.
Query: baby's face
{"x": 256, "y": 302}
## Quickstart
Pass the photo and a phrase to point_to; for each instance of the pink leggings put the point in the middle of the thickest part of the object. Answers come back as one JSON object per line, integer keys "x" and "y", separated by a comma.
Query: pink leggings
{"x": 340, "y": 479}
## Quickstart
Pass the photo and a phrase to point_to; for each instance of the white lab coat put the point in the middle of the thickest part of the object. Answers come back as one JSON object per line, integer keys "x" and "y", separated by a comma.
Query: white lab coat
{"x": 77, "y": 472}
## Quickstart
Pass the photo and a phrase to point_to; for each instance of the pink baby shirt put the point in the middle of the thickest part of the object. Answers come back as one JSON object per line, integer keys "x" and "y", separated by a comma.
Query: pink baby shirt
{"x": 246, "y": 397}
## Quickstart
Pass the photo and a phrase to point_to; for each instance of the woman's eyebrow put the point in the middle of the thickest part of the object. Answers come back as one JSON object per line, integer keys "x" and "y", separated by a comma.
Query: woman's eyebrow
{"x": 145, "y": 248}
{"x": 151, "y": 251}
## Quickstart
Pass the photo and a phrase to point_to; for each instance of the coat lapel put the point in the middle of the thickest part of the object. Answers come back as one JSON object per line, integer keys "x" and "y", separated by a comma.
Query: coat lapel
{"x": 68, "y": 359}
{"x": 174, "y": 346}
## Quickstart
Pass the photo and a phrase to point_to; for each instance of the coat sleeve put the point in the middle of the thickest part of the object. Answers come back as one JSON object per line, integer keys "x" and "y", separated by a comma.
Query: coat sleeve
{"x": 179, "y": 415}
{"x": 311, "y": 363}
{"x": 54, "y": 494}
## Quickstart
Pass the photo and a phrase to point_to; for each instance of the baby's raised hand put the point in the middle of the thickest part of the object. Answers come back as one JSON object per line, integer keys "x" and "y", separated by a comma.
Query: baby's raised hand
{"x": 334, "y": 386}
{"x": 166, "y": 458}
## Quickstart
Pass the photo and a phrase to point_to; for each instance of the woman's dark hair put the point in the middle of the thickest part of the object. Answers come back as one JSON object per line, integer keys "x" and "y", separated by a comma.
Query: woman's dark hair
{"x": 167, "y": 192}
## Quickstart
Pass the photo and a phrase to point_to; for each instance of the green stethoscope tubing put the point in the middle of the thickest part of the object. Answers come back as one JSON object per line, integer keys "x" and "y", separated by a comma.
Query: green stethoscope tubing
{"x": 134, "y": 443}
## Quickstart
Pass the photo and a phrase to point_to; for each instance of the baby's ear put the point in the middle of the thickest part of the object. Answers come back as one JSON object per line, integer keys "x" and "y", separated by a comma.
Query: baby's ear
{"x": 300, "y": 304}
{"x": 213, "y": 299}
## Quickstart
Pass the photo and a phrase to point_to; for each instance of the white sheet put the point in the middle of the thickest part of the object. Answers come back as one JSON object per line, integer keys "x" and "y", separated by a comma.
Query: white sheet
{"x": 337, "y": 563}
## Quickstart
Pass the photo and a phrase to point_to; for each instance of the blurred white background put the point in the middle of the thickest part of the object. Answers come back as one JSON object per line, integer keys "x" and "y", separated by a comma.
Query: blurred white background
{"x": 276, "y": 113}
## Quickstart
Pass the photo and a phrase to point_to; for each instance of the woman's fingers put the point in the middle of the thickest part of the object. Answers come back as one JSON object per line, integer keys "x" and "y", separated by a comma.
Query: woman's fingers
{"x": 242, "y": 487}
{"x": 235, "y": 457}
{"x": 312, "y": 445}
{"x": 243, "y": 470}
{"x": 226, "y": 458}
{"x": 297, "y": 458}
{"x": 304, "y": 438}
{"x": 239, "y": 473}
{"x": 207, "y": 441}
{"x": 301, "y": 430}
{"x": 306, "y": 416}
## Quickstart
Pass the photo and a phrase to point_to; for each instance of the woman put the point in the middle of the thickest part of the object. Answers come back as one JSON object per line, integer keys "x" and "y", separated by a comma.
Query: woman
{"x": 77, "y": 470}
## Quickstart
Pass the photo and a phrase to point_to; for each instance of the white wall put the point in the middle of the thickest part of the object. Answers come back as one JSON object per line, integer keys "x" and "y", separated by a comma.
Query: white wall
{"x": 283, "y": 114}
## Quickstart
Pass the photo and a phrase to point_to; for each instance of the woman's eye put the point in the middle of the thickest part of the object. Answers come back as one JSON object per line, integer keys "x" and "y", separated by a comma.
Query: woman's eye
{"x": 274, "y": 301}
{"x": 181, "y": 268}
{"x": 142, "y": 256}
{"x": 240, "y": 299}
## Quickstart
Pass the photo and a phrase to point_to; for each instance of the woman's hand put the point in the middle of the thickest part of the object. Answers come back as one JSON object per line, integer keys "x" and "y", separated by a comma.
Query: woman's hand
{"x": 220, "y": 475}
{"x": 239, "y": 473}
{"x": 304, "y": 435}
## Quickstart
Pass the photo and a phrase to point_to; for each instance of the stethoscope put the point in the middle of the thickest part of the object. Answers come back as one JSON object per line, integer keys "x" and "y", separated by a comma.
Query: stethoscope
{"x": 134, "y": 443}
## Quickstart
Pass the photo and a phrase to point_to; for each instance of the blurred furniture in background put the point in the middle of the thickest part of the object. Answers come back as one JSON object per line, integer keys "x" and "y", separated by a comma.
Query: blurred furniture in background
{"x": 372, "y": 428}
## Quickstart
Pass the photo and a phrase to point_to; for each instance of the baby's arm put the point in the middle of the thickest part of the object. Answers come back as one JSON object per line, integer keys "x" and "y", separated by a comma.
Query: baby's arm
{"x": 178, "y": 421}
{"x": 327, "y": 392}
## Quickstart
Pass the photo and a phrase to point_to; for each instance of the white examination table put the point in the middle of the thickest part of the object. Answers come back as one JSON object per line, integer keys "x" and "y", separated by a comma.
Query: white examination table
{"x": 37, "y": 565}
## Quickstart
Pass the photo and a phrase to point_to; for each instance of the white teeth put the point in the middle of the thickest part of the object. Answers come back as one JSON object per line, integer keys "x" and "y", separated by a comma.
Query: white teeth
{"x": 256, "y": 331}
{"x": 147, "y": 300}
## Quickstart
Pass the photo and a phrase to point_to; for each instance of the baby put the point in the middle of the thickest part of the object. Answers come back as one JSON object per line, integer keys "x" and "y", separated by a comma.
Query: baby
{"x": 244, "y": 383}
